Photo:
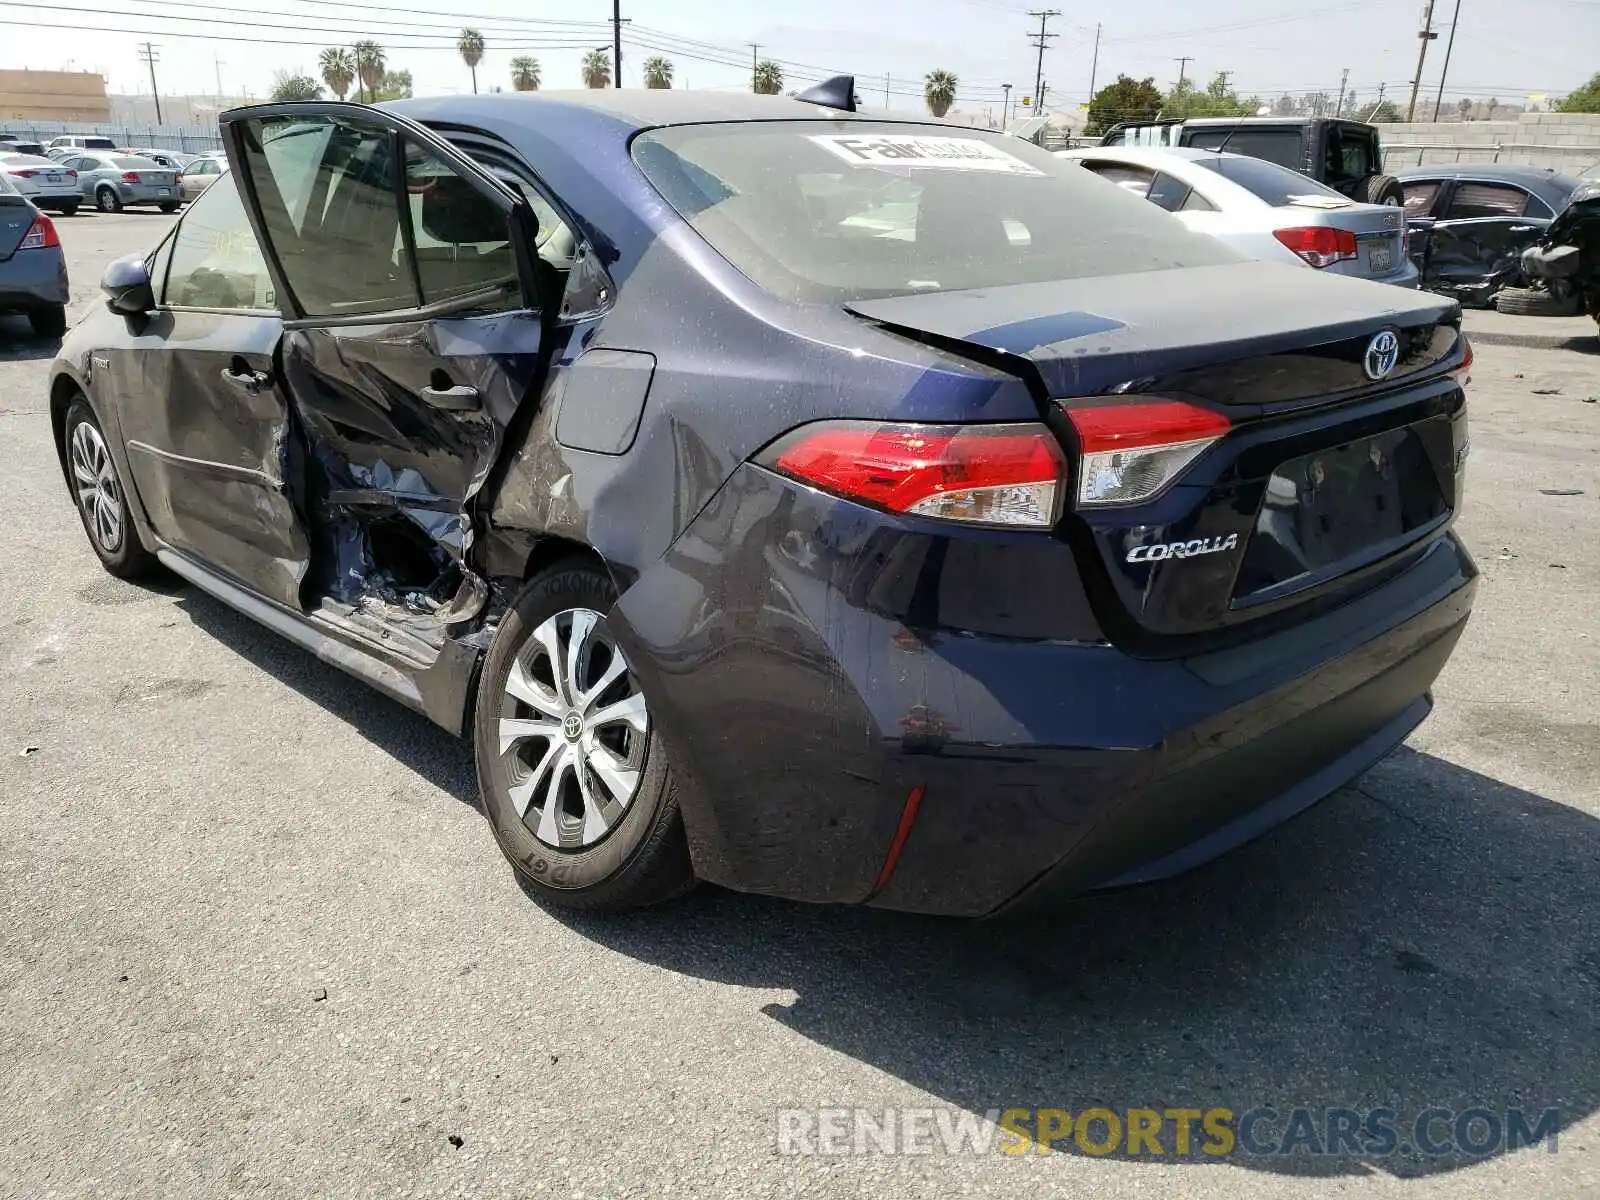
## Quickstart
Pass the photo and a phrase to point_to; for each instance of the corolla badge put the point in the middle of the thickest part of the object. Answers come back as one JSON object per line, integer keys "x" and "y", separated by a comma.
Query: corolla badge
{"x": 1383, "y": 351}
{"x": 1190, "y": 549}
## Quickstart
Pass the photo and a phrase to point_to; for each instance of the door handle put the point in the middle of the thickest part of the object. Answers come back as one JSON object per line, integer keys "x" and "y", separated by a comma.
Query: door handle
{"x": 459, "y": 398}
{"x": 249, "y": 381}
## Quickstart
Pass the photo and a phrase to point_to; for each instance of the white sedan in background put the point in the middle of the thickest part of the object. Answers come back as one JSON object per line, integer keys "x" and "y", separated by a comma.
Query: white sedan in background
{"x": 1263, "y": 210}
{"x": 44, "y": 181}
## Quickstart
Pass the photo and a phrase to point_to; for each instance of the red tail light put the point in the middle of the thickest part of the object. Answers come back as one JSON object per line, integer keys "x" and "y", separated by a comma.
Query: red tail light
{"x": 41, "y": 235}
{"x": 130, "y": 177}
{"x": 24, "y": 174}
{"x": 72, "y": 174}
{"x": 1008, "y": 475}
{"x": 1133, "y": 449}
{"x": 1463, "y": 373}
{"x": 1319, "y": 245}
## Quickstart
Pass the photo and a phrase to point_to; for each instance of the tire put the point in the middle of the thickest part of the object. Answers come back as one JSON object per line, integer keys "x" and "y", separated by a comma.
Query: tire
{"x": 170, "y": 207}
{"x": 1535, "y": 302}
{"x": 107, "y": 200}
{"x": 602, "y": 849}
{"x": 106, "y": 519}
{"x": 1381, "y": 189}
{"x": 70, "y": 208}
{"x": 49, "y": 322}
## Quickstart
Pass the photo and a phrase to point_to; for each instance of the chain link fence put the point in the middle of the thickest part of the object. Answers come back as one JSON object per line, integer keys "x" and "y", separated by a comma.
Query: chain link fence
{"x": 186, "y": 139}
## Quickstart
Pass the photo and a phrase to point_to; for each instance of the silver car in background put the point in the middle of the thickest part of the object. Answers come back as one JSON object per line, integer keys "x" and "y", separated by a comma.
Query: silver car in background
{"x": 33, "y": 271}
{"x": 114, "y": 181}
{"x": 1263, "y": 210}
{"x": 46, "y": 182}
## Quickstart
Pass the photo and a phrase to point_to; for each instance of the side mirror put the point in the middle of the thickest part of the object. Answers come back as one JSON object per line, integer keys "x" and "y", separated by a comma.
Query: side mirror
{"x": 126, "y": 284}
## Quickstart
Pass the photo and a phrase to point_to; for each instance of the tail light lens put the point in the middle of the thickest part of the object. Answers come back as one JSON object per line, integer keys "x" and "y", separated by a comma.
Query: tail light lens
{"x": 41, "y": 235}
{"x": 1463, "y": 372}
{"x": 130, "y": 177}
{"x": 1319, "y": 245}
{"x": 24, "y": 174}
{"x": 1134, "y": 449}
{"x": 1006, "y": 475}
{"x": 72, "y": 174}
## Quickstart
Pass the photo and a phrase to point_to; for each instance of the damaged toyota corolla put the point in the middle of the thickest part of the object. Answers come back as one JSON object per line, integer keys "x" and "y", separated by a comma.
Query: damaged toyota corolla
{"x": 837, "y": 508}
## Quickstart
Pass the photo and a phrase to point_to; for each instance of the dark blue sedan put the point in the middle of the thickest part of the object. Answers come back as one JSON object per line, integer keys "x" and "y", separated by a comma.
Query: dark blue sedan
{"x": 845, "y": 509}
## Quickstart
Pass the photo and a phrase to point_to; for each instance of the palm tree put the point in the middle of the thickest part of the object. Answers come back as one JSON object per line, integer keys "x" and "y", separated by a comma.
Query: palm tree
{"x": 767, "y": 80}
{"x": 470, "y": 43}
{"x": 338, "y": 70}
{"x": 525, "y": 73}
{"x": 657, "y": 72}
{"x": 369, "y": 66}
{"x": 597, "y": 69}
{"x": 939, "y": 90}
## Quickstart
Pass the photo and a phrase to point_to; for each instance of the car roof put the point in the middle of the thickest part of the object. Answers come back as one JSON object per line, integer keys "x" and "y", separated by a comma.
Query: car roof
{"x": 1152, "y": 155}
{"x": 639, "y": 108}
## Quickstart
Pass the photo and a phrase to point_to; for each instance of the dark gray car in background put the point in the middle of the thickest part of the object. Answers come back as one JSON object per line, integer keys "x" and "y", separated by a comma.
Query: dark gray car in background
{"x": 112, "y": 182}
{"x": 33, "y": 271}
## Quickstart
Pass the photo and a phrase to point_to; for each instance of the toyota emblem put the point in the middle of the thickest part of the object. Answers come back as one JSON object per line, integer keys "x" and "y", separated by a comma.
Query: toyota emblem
{"x": 1383, "y": 351}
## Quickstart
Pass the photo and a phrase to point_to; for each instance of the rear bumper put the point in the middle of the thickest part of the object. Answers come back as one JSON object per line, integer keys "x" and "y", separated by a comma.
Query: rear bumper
{"x": 815, "y": 663}
{"x": 33, "y": 279}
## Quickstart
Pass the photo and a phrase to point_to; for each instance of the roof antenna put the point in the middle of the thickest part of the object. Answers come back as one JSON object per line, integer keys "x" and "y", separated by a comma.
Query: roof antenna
{"x": 838, "y": 92}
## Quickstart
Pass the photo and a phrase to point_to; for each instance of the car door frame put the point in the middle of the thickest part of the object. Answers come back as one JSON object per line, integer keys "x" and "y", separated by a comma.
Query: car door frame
{"x": 1499, "y": 269}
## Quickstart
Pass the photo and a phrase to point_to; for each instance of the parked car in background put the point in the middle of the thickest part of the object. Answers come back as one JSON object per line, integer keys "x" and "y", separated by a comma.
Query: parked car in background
{"x": 33, "y": 270}
{"x": 114, "y": 181}
{"x": 1470, "y": 224}
{"x": 1344, "y": 155}
{"x": 201, "y": 174}
{"x": 82, "y": 141}
{"x": 15, "y": 146}
{"x": 1263, "y": 210}
{"x": 1055, "y": 547}
{"x": 47, "y": 183}
{"x": 173, "y": 160}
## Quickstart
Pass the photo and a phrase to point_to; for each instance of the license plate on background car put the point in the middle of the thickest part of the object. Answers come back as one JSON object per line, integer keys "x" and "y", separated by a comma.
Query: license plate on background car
{"x": 52, "y": 179}
{"x": 1380, "y": 259}
{"x": 168, "y": 192}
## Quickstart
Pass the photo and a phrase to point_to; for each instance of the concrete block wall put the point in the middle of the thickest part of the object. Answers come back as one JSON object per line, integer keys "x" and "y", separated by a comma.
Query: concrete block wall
{"x": 1568, "y": 142}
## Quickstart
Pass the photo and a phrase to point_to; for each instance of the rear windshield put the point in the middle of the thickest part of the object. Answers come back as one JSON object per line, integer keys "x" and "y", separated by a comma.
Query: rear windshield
{"x": 129, "y": 163}
{"x": 1277, "y": 186}
{"x": 821, "y": 212}
{"x": 93, "y": 143}
{"x": 1281, "y": 146}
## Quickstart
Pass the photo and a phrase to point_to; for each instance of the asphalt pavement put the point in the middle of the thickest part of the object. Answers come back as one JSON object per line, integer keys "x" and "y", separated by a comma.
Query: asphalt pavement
{"x": 255, "y": 940}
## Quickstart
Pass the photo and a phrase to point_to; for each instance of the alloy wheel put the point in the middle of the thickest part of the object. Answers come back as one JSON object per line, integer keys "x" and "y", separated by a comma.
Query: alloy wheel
{"x": 573, "y": 729}
{"x": 95, "y": 480}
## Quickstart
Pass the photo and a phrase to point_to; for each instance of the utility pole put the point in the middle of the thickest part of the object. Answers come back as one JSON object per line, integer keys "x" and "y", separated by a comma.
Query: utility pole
{"x": 1044, "y": 86}
{"x": 755, "y": 49}
{"x": 149, "y": 53}
{"x": 1425, "y": 35}
{"x": 1379, "y": 103}
{"x": 1042, "y": 41}
{"x": 1094, "y": 65}
{"x": 886, "y": 91}
{"x": 1183, "y": 66}
{"x": 616, "y": 42}
{"x": 218, "y": 62}
{"x": 1448, "y": 46}
{"x": 1005, "y": 110}
{"x": 1344, "y": 80}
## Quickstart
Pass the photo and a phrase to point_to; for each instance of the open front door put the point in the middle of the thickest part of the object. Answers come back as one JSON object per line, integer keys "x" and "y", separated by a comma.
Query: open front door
{"x": 413, "y": 334}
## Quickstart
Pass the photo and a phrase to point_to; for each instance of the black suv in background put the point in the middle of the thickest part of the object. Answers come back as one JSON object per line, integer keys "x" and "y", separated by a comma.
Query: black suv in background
{"x": 1344, "y": 155}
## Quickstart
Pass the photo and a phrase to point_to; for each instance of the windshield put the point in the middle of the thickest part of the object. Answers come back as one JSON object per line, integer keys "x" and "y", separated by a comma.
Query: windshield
{"x": 1281, "y": 146}
{"x": 823, "y": 212}
{"x": 1275, "y": 185}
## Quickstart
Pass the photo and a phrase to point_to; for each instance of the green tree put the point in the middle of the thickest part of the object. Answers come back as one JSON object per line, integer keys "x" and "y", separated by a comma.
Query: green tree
{"x": 596, "y": 68}
{"x": 369, "y": 66}
{"x": 338, "y": 67}
{"x": 1585, "y": 100}
{"x": 658, "y": 72}
{"x": 1383, "y": 113}
{"x": 525, "y": 73}
{"x": 396, "y": 85}
{"x": 294, "y": 87}
{"x": 1285, "y": 106}
{"x": 767, "y": 80}
{"x": 1127, "y": 99}
{"x": 939, "y": 91}
{"x": 470, "y": 44}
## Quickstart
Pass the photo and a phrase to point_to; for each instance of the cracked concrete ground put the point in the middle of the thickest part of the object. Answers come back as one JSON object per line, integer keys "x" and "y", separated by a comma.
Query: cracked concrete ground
{"x": 255, "y": 940}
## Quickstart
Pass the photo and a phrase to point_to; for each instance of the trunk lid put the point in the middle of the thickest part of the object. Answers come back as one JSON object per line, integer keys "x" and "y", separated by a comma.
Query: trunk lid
{"x": 16, "y": 218}
{"x": 1380, "y": 236}
{"x": 1326, "y": 474}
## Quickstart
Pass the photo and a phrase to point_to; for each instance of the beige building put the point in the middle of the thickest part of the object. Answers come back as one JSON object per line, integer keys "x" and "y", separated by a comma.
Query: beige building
{"x": 32, "y": 96}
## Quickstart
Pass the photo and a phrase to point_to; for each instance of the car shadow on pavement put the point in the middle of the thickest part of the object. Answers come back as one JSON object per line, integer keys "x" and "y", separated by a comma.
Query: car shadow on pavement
{"x": 1428, "y": 938}
{"x": 18, "y": 342}
{"x": 408, "y": 737}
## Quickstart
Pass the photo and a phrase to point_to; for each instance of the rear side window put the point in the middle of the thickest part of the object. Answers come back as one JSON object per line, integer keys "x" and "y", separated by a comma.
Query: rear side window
{"x": 1420, "y": 197}
{"x": 814, "y": 214}
{"x": 1486, "y": 200}
{"x": 1168, "y": 192}
{"x": 1268, "y": 182}
{"x": 1133, "y": 179}
{"x": 98, "y": 143}
{"x": 1281, "y": 146}
{"x": 128, "y": 163}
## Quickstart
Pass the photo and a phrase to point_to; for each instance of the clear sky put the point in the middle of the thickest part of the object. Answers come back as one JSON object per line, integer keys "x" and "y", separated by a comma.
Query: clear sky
{"x": 1506, "y": 49}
